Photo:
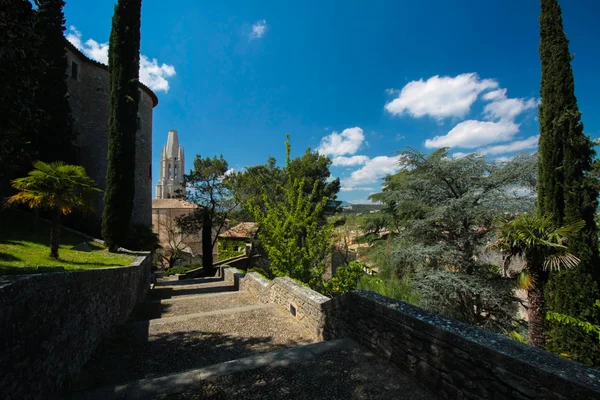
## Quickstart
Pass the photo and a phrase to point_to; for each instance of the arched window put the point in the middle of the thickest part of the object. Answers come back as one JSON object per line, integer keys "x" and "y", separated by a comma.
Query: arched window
{"x": 175, "y": 168}
{"x": 170, "y": 173}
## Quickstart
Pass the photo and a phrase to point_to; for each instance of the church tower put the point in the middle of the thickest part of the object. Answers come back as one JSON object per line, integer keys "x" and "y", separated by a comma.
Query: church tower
{"x": 171, "y": 169}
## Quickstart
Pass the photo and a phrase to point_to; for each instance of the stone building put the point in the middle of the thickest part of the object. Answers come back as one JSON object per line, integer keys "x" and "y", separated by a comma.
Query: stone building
{"x": 88, "y": 95}
{"x": 172, "y": 166}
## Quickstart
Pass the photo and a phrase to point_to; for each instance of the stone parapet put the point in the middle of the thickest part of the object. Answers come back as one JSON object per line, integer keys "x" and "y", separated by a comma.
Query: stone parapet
{"x": 50, "y": 323}
{"x": 453, "y": 359}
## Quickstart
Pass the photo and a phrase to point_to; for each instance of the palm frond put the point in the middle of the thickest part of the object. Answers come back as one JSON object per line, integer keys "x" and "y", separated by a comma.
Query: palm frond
{"x": 558, "y": 261}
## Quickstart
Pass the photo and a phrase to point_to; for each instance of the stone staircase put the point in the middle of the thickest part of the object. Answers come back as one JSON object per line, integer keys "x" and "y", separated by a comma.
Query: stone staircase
{"x": 202, "y": 339}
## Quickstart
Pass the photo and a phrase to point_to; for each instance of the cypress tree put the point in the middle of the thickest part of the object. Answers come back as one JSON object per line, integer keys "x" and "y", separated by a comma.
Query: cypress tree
{"x": 566, "y": 189}
{"x": 54, "y": 142}
{"x": 123, "y": 69}
{"x": 19, "y": 68}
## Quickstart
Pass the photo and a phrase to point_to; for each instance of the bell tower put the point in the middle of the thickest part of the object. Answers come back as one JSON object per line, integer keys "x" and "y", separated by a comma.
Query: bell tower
{"x": 172, "y": 169}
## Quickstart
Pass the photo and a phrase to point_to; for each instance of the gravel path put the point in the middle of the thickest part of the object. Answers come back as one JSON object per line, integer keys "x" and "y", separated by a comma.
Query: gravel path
{"x": 153, "y": 348}
{"x": 204, "y": 303}
{"x": 344, "y": 373}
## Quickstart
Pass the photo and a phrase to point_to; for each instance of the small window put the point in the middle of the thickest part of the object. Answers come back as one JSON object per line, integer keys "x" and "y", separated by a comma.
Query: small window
{"x": 175, "y": 169}
{"x": 170, "y": 173}
{"x": 74, "y": 70}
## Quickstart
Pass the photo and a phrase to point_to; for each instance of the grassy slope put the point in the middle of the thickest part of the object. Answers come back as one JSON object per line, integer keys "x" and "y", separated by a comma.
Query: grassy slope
{"x": 23, "y": 250}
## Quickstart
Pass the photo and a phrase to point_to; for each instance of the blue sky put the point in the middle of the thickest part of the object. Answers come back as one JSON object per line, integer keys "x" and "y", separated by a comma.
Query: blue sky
{"x": 358, "y": 80}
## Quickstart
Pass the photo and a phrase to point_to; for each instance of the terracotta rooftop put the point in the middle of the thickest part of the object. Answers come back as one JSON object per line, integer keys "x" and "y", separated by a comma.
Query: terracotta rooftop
{"x": 245, "y": 230}
{"x": 171, "y": 203}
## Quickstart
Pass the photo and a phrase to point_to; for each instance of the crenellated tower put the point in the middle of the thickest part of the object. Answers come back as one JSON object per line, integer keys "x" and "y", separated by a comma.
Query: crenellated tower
{"x": 172, "y": 166}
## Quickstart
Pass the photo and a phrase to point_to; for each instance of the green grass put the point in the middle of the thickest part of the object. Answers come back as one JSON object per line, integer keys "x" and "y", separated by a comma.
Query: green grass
{"x": 24, "y": 250}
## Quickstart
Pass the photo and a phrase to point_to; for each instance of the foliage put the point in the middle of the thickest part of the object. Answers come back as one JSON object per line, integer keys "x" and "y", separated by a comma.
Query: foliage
{"x": 568, "y": 189}
{"x": 54, "y": 141}
{"x": 142, "y": 238}
{"x": 478, "y": 299}
{"x": 210, "y": 188}
{"x": 290, "y": 232}
{"x": 58, "y": 187}
{"x": 313, "y": 169}
{"x": 543, "y": 245}
{"x": 442, "y": 208}
{"x": 19, "y": 71}
{"x": 180, "y": 270}
{"x": 346, "y": 279}
{"x": 518, "y": 337}
{"x": 123, "y": 69}
{"x": 390, "y": 287}
{"x": 24, "y": 250}
{"x": 228, "y": 248}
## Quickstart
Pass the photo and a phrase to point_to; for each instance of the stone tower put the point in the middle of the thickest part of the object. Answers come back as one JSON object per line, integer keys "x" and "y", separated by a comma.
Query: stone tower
{"x": 172, "y": 169}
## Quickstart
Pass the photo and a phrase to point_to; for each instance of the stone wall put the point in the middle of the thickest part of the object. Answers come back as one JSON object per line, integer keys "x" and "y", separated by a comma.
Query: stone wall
{"x": 304, "y": 304}
{"x": 453, "y": 359}
{"x": 50, "y": 323}
{"x": 88, "y": 97}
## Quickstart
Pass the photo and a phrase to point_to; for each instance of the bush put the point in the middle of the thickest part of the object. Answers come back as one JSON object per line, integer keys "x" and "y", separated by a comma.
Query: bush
{"x": 142, "y": 238}
{"x": 260, "y": 271}
{"x": 180, "y": 270}
{"x": 345, "y": 279}
{"x": 476, "y": 299}
{"x": 393, "y": 288}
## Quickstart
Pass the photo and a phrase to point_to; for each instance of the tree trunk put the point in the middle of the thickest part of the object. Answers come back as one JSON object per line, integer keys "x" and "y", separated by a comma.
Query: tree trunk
{"x": 54, "y": 233}
{"x": 537, "y": 311}
{"x": 207, "y": 255}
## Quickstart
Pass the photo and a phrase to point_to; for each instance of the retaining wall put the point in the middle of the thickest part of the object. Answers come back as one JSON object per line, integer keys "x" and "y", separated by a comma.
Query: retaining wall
{"x": 453, "y": 359}
{"x": 50, "y": 323}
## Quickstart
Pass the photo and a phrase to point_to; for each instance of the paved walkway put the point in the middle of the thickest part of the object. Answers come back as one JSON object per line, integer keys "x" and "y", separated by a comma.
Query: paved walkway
{"x": 201, "y": 339}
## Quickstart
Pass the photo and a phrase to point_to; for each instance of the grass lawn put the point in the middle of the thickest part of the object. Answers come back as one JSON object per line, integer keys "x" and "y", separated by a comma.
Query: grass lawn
{"x": 24, "y": 250}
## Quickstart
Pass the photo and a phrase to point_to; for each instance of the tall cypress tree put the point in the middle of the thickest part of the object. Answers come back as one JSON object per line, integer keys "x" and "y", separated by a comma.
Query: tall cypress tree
{"x": 123, "y": 69}
{"x": 19, "y": 68}
{"x": 566, "y": 189}
{"x": 54, "y": 141}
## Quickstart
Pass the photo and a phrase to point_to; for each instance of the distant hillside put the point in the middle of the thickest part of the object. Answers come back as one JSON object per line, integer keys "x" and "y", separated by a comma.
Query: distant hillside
{"x": 360, "y": 208}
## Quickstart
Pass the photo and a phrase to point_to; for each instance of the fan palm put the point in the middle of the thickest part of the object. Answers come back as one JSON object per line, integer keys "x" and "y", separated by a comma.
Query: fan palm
{"x": 543, "y": 246}
{"x": 58, "y": 187}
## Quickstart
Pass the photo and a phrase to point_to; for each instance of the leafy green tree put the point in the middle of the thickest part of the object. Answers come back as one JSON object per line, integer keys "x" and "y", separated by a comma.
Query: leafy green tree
{"x": 346, "y": 279}
{"x": 292, "y": 235}
{"x": 58, "y": 187}
{"x": 19, "y": 68}
{"x": 313, "y": 168}
{"x": 444, "y": 207}
{"x": 123, "y": 70}
{"x": 543, "y": 246}
{"x": 252, "y": 184}
{"x": 210, "y": 189}
{"x": 567, "y": 190}
{"x": 56, "y": 133}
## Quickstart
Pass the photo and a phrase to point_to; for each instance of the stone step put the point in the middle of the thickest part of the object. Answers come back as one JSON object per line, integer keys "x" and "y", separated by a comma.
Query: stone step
{"x": 192, "y": 304}
{"x": 158, "y": 347}
{"x": 191, "y": 288}
{"x": 339, "y": 369}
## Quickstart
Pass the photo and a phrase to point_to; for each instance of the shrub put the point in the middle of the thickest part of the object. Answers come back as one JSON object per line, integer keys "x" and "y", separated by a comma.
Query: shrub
{"x": 180, "y": 270}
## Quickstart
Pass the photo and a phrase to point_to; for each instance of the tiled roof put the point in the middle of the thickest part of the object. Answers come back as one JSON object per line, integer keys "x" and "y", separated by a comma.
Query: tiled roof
{"x": 171, "y": 203}
{"x": 242, "y": 230}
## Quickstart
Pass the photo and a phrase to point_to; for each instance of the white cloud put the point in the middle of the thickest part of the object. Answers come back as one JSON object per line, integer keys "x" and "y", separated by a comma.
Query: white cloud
{"x": 471, "y": 133}
{"x": 258, "y": 29}
{"x": 504, "y": 108}
{"x": 341, "y": 161}
{"x": 364, "y": 201}
{"x": 370, "y": 174}
{"x": 519, "y": 145}
{"x": 229, "y": 171}
{"x": 152, "y": 74}
{"x": 440, "y": 96}
{"x": 339, "y": 144}
{"x": 459, "y": 155}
